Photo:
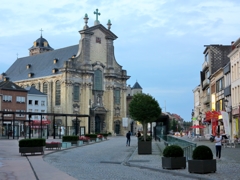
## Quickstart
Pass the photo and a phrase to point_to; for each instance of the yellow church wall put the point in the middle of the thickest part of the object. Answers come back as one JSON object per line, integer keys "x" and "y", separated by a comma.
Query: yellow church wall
{"x": 98, "y": 51}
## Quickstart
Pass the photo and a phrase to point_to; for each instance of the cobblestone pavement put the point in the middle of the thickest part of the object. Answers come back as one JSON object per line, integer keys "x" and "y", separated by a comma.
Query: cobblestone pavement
{"x": 227, "y": 168}
{"x": 113, "y": 160}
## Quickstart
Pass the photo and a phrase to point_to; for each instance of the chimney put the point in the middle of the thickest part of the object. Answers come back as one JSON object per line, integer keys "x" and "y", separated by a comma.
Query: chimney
{"x": 233, "y": 47}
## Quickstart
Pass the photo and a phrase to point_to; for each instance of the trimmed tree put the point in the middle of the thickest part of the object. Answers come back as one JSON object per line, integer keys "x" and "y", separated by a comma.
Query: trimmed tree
{"x": 145, "y": 109}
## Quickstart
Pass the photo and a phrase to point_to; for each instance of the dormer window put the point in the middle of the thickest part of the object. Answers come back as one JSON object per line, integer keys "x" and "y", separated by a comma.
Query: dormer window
{"x": 54, "y": 70}
{"x": 30, "y": 74}
{"x": 6, "y": 78}
{"x": 55, "y": 61}
{"x": 28, "y": 66}
{"x": 74, "y": 56}
{"x": 35, "y": 44}
{"x": 45, "y": 44}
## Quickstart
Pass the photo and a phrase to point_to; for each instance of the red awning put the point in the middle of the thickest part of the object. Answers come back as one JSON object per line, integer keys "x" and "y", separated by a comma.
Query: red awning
{"x": 38, "y": 122}
{"x": 198, "y": 126}
{"x": 211, "y": 116}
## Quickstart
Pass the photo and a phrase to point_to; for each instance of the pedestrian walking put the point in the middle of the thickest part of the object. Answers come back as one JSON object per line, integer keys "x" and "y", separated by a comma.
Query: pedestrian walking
{"x": 128, "y": 136}
{"x": 189, "y": 134}
{"x": 218, "y": 144}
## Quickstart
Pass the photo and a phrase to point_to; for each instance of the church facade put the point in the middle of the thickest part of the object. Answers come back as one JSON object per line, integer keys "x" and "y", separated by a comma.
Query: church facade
{"x": 83, "y": 79}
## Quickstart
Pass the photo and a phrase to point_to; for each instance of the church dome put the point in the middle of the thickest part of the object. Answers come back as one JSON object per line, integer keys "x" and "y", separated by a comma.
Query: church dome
{"x": 41, "y": 43}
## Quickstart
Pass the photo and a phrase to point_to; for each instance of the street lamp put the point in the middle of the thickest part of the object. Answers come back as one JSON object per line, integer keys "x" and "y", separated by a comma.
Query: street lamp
{"x": 200, "y": 121}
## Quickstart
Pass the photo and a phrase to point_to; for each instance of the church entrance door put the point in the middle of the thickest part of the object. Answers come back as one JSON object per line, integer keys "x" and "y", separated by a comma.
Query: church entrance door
{"x": 117, "y": 129}
{"x": 97, "y": 124}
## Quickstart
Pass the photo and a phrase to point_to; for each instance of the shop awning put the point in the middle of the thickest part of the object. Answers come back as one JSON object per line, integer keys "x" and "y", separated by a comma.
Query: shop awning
{"x": 38, "y": 122}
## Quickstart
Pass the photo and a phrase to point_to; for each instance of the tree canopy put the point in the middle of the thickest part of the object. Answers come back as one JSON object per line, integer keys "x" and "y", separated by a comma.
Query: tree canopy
{"x": 144, "y": 108}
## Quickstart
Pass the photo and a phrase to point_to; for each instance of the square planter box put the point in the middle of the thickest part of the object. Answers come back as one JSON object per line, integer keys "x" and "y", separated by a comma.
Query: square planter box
{"x": 79, "y": 143}
{"x": 173, "y": 162}
{"x": 32, "y": 150}
{"x": 93, "y": 139}
{"x": 86, "y": 141}
{"x": 144, "y": 147}
{"x": 53, "y": 145}
{"x": 202, "y": 166}
{"x": 66, "y": 144}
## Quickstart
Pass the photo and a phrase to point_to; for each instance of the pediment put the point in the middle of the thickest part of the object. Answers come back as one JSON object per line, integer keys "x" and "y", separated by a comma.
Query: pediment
{"x": 108, "y": 34}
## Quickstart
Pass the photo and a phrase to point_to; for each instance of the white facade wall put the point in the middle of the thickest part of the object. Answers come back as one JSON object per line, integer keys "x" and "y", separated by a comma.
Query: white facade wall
{"x": 37, "y": 103}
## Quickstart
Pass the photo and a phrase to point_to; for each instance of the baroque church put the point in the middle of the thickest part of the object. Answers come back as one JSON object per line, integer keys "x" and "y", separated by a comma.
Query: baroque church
{"x": 80, "y": 79}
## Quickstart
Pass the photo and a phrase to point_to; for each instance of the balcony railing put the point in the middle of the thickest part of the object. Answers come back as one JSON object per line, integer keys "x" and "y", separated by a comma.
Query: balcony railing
{"x": 206, "y": 99}
{"x": 206, "y": 82}
{"x": 205, "y": 65}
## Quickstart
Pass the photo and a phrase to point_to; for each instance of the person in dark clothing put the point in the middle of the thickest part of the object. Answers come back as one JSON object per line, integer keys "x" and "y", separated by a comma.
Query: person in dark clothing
{"x": 138, "y": 134}
{"x": 128, "y": 136}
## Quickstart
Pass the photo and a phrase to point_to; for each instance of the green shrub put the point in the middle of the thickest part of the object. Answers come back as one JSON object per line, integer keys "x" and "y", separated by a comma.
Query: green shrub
{"x": 32, "y": 142}
{"x": 103, "y": 134}
{"x": 91, "y": 135}
{"x": 202, "y": 153}
{"x": 173, "y": 151}
{"x": 109, "y": 133}
{"x": 70, "y": 138}
{"x": 148, "y": 138}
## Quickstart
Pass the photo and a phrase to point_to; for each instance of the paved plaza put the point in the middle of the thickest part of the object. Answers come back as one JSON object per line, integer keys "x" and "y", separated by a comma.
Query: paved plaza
{"x": 110, "y": 159}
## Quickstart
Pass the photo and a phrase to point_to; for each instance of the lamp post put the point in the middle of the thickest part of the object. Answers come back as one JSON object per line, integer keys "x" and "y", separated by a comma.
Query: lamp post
{"x": 200, "y": 121}
{"x": 192, "y": 115}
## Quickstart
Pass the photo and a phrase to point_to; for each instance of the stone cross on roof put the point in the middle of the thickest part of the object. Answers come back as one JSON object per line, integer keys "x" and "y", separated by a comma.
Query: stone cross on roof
{"x": 97, "y": 14}
{"x": 41, "y": 31}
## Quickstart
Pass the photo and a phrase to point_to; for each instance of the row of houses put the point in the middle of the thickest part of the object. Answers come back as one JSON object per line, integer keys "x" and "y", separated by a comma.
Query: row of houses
{"x": 17, "y": 99}
{"x": 217, "y": 97}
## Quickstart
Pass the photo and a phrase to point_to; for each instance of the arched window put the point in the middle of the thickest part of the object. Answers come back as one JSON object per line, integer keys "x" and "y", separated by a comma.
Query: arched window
{"x": 98, "y": 80}
{"x": 45, "y": 88}
{"x": 76, "y": 92}
{"x": 57, "y": 93}
{"x": 33, "y": 85}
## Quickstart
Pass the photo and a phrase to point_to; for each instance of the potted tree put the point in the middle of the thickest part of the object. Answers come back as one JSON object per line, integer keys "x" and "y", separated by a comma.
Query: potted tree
{"x": 145, "y": 109}
{"x": 202, "y": 161}
{"x": 173, "y": 158}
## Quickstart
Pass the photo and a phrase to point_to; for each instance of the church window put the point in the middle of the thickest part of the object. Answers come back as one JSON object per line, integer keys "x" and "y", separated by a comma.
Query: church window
{"x": 45, "y": 88}
{"x": 98, "y": 80}
{"x": 58, "y": 93}
{"x": 117, "y": 96}
{"x": 76, "y": 93}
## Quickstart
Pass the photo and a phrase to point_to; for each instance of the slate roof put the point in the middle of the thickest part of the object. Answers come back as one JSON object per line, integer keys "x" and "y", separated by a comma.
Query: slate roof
{"x": 9, "y": 85}
{"x": 136, "y": 86}
{"x": 41, "y": 64}
{"x": 33, "y": 90}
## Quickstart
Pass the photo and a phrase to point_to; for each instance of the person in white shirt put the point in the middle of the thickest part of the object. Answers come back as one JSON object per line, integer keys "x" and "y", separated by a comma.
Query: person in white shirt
{"x": 218, "y": 144}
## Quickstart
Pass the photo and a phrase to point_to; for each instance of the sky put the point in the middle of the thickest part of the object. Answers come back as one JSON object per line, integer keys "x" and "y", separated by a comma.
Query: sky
{"x": 160, "y": 42}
